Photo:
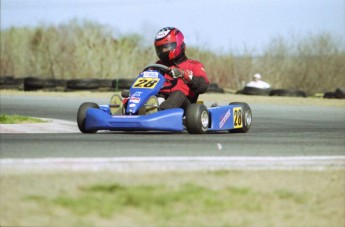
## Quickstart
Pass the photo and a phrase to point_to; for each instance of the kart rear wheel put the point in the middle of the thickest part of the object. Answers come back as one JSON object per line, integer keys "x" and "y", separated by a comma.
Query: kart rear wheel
{"x": 151, "y": 106}
{"x": 246, "y": 118}
{"x": 82, "y": 115}
{"x": 197, "y": 119}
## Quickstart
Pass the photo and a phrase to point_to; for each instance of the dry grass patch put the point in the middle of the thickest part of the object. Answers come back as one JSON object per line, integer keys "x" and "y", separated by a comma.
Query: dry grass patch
{"x": 202, "y": 198}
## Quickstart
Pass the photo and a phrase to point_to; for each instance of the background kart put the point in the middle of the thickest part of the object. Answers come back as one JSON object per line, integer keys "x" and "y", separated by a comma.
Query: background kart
{"x": 139, "y": 111}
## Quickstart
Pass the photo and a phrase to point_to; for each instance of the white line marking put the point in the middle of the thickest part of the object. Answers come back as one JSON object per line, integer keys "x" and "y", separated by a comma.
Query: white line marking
{"x": 174, "y": 163}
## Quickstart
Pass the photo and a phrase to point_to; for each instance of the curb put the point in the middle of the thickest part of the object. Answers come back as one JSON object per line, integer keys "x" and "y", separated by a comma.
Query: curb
{"x": 126, "y": 164}
{"x": 52, "y": 126}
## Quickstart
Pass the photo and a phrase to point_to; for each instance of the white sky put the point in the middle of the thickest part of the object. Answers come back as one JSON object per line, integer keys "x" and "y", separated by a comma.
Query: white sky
{"x": 213, "y": 24}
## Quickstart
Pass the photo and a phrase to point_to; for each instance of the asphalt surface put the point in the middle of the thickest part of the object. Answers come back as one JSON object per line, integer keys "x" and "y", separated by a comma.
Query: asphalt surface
{"x": 277, "y": 130}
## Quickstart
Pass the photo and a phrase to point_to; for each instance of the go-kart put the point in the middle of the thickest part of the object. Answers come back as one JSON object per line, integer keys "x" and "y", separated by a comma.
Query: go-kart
{"x": 139, "y": 110}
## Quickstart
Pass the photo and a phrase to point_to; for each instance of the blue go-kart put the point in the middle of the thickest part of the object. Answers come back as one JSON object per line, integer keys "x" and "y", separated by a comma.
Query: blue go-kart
{"x": 138, "y": 110}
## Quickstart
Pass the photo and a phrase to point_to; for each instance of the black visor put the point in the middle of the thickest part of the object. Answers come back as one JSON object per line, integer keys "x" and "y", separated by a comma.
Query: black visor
{"x": 165, "y": 48}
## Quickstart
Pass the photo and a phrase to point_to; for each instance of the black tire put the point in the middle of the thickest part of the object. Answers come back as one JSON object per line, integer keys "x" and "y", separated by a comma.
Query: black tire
{"x": 50, "y": 83}
{"x": 329, "y": 95}
{"x": 105, "y": 83}
{"x": 197, "y": 119}
{"x": 214, "y": 88}
{"x": 288, "y": 93}
{"x": 256, "y": 91}
{"x": 33, "y": 83}
{"x": 124, "y": 83}
{"x": 246, "y": 118}
{"x": 6, "y": 80}
{"x": 60, "y": 83}
{"x": 82, "y": 84}
{"x": 340, "y": 93}
{"x": 9, "y": 82}
{"x": 82, "y": 115}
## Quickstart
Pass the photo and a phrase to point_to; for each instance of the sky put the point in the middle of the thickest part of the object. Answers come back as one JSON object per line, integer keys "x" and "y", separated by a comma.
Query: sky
{"x": 216, "y": 25}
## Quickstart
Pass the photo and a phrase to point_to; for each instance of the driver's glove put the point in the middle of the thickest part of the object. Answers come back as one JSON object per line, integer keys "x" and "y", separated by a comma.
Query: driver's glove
{"x": 175, "y": 73}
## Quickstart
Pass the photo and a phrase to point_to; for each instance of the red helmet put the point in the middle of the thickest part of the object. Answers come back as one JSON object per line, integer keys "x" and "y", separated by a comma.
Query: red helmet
{"x": 169, "y": 44}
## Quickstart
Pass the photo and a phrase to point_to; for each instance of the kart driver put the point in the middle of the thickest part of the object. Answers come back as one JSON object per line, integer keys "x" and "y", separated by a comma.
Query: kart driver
{"x": 186, "y": 79}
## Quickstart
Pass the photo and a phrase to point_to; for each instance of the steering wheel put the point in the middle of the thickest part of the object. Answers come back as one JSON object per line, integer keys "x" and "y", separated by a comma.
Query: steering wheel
{"x": 159, "y": 67}
{"x": 163, "y": 69}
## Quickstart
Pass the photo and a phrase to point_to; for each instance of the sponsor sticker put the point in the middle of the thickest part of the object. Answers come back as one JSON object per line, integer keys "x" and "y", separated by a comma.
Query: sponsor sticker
{"x": 225, "y": 119}
{"x": 134, "y": 99}
{"x": 125, "y": 116}
{"x": 137, "y": 94}
{"x": 132, "y": 105}
{"x": 150, "y": 74}
{"x": 162, "y": 34}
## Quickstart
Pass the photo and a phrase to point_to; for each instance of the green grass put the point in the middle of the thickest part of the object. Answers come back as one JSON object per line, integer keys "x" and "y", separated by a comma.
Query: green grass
{"x": 160, "y": 202}
{"x": 18, "y": 119}
{"x": 201, "y": 198}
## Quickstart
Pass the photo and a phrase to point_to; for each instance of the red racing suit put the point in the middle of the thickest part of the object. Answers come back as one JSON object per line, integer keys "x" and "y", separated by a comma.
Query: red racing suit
{"x": 191, "y": 89}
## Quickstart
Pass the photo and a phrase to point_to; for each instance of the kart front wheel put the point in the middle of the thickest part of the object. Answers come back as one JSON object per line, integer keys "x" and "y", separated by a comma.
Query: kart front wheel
{"x": 81, "y": 116}
{"x": 246, "y": 118}
{"x": 197, "y": 119}
{"x": 116, "y": 106}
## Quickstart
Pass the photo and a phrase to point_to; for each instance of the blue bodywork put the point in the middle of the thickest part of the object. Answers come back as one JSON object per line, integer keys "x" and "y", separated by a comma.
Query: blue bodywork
{"x": 148, "y": 84}
{"x": 166, "y": 120}
{"x": 221, "y": 119}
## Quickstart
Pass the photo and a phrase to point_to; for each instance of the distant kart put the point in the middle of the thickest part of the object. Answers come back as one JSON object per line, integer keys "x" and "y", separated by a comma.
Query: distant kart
{"x": 139, "y": 111}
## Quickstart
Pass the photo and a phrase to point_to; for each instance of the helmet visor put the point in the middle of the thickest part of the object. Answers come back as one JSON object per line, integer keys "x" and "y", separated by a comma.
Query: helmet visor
{"x": 165, "y": 48}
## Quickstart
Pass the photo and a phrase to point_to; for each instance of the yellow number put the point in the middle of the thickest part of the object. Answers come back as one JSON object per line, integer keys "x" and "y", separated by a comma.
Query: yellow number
{"x": 146, "y": 83}
{"x": 237, "y": 113}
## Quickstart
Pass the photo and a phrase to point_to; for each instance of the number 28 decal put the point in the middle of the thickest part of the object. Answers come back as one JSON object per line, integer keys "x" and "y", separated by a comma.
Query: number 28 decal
{"x": 146, "y": 83}
{"x": 237, "y": 113}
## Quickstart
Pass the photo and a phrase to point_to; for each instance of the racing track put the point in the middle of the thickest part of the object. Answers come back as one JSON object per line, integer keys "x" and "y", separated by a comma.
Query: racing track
{"x": 277, "y": 130}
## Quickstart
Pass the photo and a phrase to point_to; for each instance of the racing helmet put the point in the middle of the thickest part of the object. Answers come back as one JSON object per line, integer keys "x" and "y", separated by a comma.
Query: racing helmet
{"x": 169, "y": 44}
{"x": 257, "y": 76}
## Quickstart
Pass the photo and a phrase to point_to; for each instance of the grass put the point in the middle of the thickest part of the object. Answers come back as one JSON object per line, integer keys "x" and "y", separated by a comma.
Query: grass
{"x": 18, "y": 119}
{"x": 201, "y": 198}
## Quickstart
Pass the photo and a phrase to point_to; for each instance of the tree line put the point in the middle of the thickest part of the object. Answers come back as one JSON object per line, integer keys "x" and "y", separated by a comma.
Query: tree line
{"x": 84, "y": 49}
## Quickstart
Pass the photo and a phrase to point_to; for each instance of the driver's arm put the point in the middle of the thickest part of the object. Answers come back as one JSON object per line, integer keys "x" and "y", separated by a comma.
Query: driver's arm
{"x": 199, "y": 82}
